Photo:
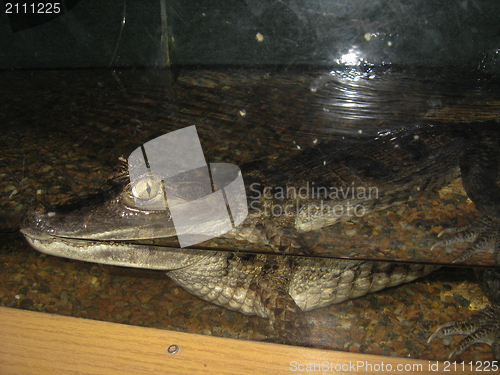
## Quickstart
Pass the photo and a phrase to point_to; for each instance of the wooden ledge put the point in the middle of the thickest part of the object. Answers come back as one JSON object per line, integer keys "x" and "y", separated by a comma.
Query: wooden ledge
{"x": 39, "y": 343}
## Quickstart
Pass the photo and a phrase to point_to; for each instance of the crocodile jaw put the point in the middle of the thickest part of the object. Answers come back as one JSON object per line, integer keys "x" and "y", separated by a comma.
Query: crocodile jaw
{"x": 113, "y": 253}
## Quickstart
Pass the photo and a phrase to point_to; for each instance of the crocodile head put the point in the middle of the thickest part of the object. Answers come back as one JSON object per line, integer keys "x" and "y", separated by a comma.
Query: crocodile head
{"x": 108, "y": 226}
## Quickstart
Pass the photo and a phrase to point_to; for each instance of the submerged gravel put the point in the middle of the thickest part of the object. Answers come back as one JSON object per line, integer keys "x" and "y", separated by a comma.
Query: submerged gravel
{"x": 62, "y": 133}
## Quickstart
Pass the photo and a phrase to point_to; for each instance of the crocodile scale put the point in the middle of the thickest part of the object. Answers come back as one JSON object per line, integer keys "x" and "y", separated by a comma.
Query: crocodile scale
{"x": 402, "y": 165}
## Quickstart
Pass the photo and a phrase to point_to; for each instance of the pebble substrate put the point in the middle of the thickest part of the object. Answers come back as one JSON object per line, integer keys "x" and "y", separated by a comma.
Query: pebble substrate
{"x": 62, "y": 133}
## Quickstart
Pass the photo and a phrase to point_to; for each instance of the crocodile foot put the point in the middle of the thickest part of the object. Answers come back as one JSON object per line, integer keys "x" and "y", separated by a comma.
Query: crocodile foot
{"x": 482, "y": 236}
{"x": 481, "y": 327}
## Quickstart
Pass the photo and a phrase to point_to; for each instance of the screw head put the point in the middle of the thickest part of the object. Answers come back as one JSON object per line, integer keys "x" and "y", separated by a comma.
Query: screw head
{"x": 172, "y": 349}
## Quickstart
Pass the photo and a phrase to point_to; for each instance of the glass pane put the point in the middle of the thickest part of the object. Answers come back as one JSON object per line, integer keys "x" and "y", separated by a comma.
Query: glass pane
{"x": 67, "y": 141}
{"x": 330, "y": 170}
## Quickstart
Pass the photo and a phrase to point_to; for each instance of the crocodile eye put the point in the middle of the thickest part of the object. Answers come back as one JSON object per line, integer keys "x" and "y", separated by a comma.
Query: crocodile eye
{"x": 146, "y": 189}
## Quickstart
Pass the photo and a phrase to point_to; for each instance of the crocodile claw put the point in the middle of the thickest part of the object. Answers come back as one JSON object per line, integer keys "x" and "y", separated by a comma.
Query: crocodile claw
{"x": 481, "y": 327}
{"x": 483, "y": 236}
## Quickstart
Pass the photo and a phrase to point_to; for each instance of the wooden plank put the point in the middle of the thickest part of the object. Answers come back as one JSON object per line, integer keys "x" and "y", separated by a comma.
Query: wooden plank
{"x": 39, "y": 343}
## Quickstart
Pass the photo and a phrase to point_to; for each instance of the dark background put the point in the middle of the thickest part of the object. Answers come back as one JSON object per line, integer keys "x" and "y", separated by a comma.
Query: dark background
{"x": 92, "y": 33}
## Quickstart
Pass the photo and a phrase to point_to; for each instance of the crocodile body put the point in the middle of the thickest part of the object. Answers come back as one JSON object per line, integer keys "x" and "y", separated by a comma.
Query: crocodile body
{"x": 402, "y": 165}
{"x": 281, "y": 288}
{"x": 344, "y": 176}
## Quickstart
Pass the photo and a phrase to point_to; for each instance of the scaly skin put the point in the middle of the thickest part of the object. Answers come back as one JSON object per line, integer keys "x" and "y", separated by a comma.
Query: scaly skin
{"x": 401, "y": 164}
{"x": 281, "y": 287}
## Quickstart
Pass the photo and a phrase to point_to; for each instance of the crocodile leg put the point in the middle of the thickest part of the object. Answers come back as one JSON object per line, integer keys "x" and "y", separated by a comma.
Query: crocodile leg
{"x": 285, "y": 316}
{"x": 250, "y": 284}
{"x": 480, "y": 170}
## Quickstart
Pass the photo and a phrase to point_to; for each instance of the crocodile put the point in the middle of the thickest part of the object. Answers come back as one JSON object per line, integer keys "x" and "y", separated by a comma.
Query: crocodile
{"x": 107, "y": 226}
